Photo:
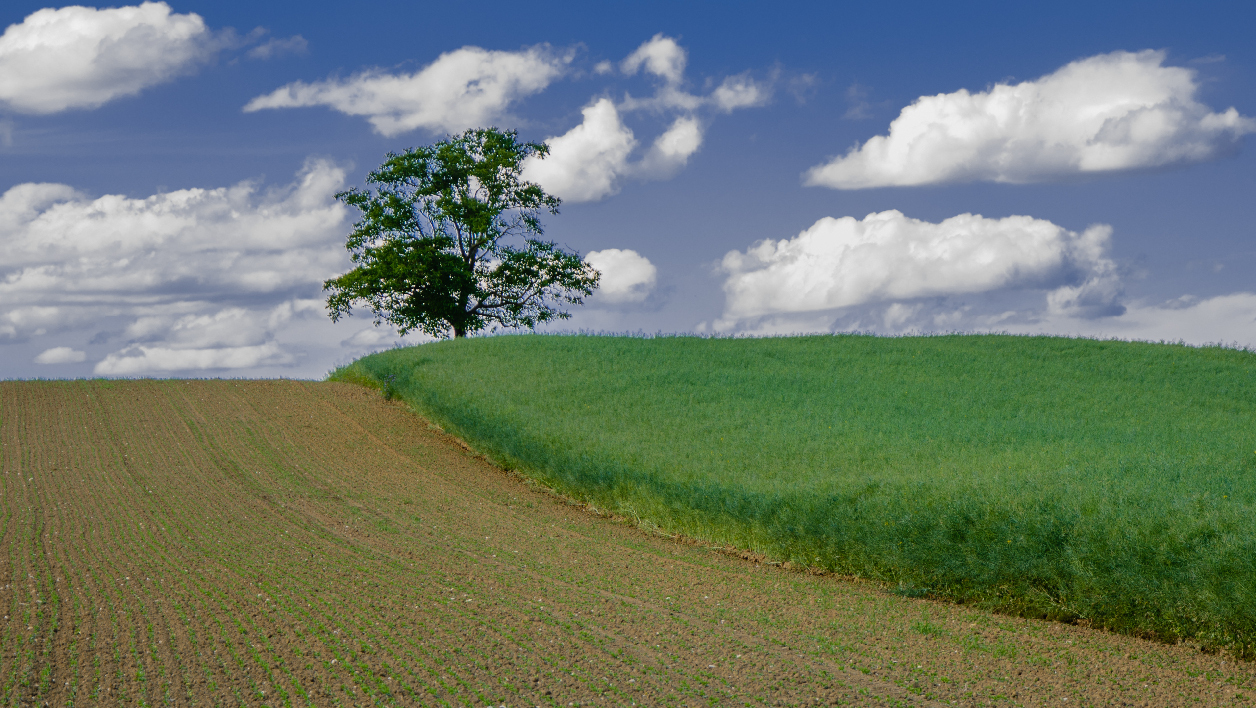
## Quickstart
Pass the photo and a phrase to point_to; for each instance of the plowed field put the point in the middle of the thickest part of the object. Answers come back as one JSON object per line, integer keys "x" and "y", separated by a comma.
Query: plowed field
{"x": 289, "y": 543}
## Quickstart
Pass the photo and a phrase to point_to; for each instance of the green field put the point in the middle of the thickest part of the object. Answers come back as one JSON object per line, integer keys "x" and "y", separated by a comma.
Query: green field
{"x": 1105, "y": 482}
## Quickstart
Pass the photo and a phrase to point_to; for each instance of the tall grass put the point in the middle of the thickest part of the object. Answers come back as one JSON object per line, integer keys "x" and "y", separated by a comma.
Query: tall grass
{"x": 1110, "y": 482}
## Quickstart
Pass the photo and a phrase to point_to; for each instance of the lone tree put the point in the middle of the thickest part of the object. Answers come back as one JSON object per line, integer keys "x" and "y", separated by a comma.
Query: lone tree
{"x": 450, "y": 240}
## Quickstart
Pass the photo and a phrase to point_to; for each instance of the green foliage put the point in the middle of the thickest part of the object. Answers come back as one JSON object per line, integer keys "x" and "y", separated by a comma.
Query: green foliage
{"x": 1111, "y": 482}
{"x": 927, "y": 628}
{"x": 353, "y": 374}
{"x": 433, "y": 249}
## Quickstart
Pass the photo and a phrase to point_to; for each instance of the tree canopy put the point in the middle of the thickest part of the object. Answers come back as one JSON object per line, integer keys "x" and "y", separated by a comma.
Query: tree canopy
{"x": 450, "y": 240}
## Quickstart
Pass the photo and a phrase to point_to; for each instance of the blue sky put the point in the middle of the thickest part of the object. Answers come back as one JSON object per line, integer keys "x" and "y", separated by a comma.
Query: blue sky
{"x": 735, "y": 169}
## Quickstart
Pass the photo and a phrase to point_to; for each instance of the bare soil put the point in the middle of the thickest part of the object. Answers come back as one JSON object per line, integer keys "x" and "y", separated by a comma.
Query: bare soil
{"x": 293, "y": 543}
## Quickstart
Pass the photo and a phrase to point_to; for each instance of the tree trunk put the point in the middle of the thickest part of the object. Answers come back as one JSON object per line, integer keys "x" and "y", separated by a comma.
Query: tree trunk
{"x": 459, "y": 321}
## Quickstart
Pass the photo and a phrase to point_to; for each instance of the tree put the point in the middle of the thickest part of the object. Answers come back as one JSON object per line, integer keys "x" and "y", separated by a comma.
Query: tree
{"x": 438, "y": 246}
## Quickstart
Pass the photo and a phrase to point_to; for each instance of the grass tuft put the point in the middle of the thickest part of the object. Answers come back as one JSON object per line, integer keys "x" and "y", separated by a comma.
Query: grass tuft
{"x": 927, "y": 628}
{"x": 354, "y": 373}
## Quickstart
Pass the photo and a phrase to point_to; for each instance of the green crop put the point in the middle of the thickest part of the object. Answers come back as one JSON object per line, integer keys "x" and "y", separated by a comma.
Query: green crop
{"x": 1105, "y": 481}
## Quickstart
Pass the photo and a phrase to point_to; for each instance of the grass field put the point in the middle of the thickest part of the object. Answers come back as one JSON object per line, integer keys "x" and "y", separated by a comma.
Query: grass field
{"x": 1111, "y": 483}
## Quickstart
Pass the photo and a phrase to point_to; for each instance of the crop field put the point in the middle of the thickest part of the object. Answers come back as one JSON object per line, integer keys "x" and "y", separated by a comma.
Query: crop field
{"x": 287, "y": 543}
{"x": 1102, "y": 482}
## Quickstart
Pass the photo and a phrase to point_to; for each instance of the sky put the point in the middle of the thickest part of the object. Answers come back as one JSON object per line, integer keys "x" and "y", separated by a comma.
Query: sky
{"x": 168, "y": 171}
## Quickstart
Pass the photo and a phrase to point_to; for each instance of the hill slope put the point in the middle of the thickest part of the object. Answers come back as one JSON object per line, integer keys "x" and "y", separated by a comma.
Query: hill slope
{"x": 287, "y": 543}
{"x": 1106, "y": 482}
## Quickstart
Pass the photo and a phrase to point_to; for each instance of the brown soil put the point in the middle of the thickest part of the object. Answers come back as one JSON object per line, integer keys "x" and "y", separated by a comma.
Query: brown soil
{"x": 287, "y": 543}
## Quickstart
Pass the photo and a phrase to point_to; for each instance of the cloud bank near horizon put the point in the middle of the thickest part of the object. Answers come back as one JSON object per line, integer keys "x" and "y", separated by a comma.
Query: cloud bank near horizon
{"x": 1106, "y": 113}
{"x": 890, "y": 274}
{"x": 890, "y": 257}
{"x": 1224, "y": 320}
{"x": 186, "y": 280}
{"x": 201, "y": 280}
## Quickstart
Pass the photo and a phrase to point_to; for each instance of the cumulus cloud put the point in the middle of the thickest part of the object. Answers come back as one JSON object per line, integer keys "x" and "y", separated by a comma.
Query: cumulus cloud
{"x": 61, "y": 247}
{"x": 465, "y": 88}
{"x": 585, "y": 162}
{"x": 61, "y": 355}
{"x": 189, "y": 279}
{"x": 627, "y": 276}
{"x": 232, "y": 327}
{"x": 664, "y": 58}
{"x": 82, "y": 57}
{"x": 673, "y": 148}
{"x": 1118, "y": 111}
{"x": 143, "y": 360}
{"x": 889, "y": 257}
{"x": 661, "y": 56}
{"x": 21, "y": 321}
{"x": 590, "y": 161}
{"x": 231, "y": 338}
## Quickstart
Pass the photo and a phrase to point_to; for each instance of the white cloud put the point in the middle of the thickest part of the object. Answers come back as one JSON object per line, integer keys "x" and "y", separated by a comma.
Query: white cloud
{"x": 194, "y": 278}
{"x": 230, "y": 338}
{"x": 888, "y": 257}
{"x": 673, "y": 148}
{"x": 144, "y": 360}
{"x": 627, "y": 276}
{"x": 372, "y": 337}
{"x": 1117, "y": 111}
{"x": 229, "y": 327}
{"x": 276, "y": 47}
{"x": 739, "y": 92}
{"x": 1099, "y": 295}
{"x": 19, "y": 322}
{"x": 465, "y": 88}
{"x": 61, "y": 355}
{"x": 59, "y": 247}
{"x": 661, "y": 56}
{"x": 590, "y": 161}
{"x": 82, "y": 57}
{"x": 1225, "y": 319}
{"x": 585, "y": 163}
{"x": 383, "y": 337}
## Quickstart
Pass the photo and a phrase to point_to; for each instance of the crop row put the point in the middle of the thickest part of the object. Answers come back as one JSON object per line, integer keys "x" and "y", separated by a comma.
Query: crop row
{"x": 182, "y": 542}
